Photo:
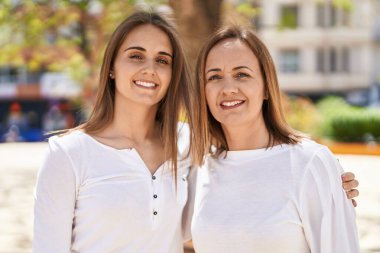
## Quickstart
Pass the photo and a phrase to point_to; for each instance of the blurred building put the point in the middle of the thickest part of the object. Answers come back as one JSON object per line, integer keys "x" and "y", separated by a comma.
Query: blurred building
{"x": 324, "y": 46}
{"x": 31, "y": 96}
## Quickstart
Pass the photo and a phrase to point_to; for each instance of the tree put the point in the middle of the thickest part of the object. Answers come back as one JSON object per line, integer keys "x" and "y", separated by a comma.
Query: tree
{"x": 196, "y": 20}
{"x": 61, "y": 35}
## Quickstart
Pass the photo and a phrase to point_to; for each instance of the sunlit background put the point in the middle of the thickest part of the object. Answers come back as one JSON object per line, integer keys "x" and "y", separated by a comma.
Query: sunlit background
{"x": 51, "y": 50}
{"x": 327, "y": 54}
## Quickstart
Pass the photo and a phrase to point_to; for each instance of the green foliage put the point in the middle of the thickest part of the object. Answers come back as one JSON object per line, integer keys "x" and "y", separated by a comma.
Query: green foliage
{"x": 247, "y": 10}
{"x": 302, "y": 115}
{"x": 61, "y": 35}
{"x": 343, "y": 122}
{"x": 288, "y": 18}
{"x": 346, "y": 5}
{"x": 329, "y": 107}
{"x": 333, "y": 118}
{"x": 357, "y": 126}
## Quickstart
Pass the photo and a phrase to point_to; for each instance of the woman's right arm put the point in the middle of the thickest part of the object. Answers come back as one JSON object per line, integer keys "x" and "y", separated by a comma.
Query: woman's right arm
{"x": 55, "y": 196}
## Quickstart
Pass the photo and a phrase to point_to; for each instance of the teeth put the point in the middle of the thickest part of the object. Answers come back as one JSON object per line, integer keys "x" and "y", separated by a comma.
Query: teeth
{"x": 232, "y": 103}
{"x": 145, "y": 84}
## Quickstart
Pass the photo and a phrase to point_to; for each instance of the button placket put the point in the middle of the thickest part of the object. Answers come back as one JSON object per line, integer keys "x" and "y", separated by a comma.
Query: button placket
{"x": 155, "y": 210}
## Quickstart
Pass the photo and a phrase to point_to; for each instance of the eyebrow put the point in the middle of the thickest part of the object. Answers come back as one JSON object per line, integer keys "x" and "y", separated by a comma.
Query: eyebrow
{"x": 144, "y": 50}
{"x": 242, "y": 67}
{"x": 210, "y": 70}
{"x": 236, "y": 68}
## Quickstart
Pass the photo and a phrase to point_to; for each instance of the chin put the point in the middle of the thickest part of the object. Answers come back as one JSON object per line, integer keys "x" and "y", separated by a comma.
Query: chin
{"x": 231, "y": 122}
{"x": 148, "y": 100}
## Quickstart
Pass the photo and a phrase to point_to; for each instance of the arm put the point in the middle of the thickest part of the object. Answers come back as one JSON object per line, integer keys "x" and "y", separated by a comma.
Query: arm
{"x": 54, "y": 205}
{"x": 328, "y": 217}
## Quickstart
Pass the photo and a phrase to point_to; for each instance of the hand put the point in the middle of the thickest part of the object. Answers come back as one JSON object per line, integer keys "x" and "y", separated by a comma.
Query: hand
{"x": 349, "y": 183}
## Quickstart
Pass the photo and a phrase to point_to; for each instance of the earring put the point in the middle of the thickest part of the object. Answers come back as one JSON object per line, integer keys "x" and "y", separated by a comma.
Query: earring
{"x": 111, "y": 76}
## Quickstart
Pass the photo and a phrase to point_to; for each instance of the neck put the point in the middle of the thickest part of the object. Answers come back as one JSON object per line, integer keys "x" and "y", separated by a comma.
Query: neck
{"x": 135, "y": 122}
{"x": 247, "y": 137}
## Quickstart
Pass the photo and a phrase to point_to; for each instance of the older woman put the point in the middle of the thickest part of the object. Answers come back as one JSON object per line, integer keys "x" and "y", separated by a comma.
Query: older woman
{"x": 265, "y": 187}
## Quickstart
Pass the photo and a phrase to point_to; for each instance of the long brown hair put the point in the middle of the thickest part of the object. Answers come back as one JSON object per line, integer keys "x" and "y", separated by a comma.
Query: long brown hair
{"x": 273, "y": 113}
{"x": 181, "y": 95}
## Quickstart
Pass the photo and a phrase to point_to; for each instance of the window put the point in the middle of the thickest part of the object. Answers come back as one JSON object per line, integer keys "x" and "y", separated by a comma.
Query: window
{"x": 256, "y": 20}
{"x": 321, "y": 60}
{"x": 8, "y": 75}
{"x": 333, "y": 60}
{"x": 329, "y": 15}
{"x": 289, "y": 16}
{"x": 346, "y": 59}
{"x": 321, "y": 15}
{"x": 346, "y": 18}
{"x": 289, "y": 61}
{"x": 333, "y": 20}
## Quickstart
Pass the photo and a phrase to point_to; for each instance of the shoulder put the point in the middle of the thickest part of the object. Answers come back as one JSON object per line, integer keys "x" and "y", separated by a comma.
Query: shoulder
{"x": 319, "y": 163}
{"x": 316, "y": 153}
{"x": 313, "y": 159}
{"x": 307, "y": 150}
{"x": 71, "y": 142}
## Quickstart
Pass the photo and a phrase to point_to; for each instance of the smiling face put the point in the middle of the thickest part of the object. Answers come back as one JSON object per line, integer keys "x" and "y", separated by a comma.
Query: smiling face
{"x": 143, "y": 66}
{"x": 234, "y": 85}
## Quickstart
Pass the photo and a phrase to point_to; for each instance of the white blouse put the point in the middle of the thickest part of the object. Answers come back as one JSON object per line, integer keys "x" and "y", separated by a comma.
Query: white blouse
{"x": 93, "y": 198}
{"x": 285, "y": 199}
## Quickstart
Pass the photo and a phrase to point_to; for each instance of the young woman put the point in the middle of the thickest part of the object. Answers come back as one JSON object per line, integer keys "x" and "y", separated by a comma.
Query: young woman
{"x": 118, "y": 183}
{"x": 114, "y": 184}
{"x": 265, "y": 187}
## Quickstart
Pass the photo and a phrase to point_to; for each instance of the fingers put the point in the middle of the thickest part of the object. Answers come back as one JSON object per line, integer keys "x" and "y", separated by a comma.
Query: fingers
{"x": 349, "y": 185}
{"x": 348, "y": 176}
{"x": 354, "y": 203}
{"x": 352, "y": 194}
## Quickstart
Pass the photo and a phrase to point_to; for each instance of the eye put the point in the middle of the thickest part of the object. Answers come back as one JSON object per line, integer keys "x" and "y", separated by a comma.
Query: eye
{"x": 162, "y": 61}
{"x": 214, "y": 77}
{"x": 136, "y": 57}
{"x": 241, "y": 75}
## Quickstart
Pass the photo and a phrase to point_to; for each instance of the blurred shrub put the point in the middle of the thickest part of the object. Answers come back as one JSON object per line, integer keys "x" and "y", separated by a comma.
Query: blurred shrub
{"x": 343, "y": 122}
{"x": 360, "y": 125}
{"x": 329, "y": 108}
{"x": 302, "y": 114}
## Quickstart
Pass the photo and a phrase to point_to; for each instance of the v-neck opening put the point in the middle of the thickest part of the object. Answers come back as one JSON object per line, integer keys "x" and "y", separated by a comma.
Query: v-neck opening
{"x": 97, "y": 142}
{"x": 145, "y": 166}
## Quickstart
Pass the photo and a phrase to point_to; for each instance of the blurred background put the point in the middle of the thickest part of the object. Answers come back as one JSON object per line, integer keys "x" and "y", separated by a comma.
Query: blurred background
{"x": 327, "y": 54}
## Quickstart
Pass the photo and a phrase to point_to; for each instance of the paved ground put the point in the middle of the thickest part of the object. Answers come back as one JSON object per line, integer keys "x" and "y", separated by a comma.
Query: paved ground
{"x": 20, "y": 162}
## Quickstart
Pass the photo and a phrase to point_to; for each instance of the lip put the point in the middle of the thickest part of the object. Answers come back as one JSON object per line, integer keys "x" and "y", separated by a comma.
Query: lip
{"x": 145, "y": 84}
{"x": 231, "y": 104}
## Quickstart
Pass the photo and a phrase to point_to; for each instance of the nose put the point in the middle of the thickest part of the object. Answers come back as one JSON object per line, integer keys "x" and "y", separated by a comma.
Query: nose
{"x": 149, "y": 68}
{"x": 229, "y": 86}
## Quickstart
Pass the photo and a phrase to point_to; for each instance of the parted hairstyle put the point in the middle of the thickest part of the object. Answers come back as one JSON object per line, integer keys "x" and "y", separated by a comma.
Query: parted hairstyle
{"x": 273, "y": 113}
{"x": 181, "y": 97}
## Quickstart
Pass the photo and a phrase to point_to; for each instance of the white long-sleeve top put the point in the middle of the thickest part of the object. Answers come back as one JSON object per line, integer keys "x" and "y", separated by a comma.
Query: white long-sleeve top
{"x": 91, "y": 198}
{"x": 286, "y": 199}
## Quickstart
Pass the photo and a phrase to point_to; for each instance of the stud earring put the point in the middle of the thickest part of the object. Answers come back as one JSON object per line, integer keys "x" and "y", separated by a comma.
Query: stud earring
{"x": 111, "y": 76}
